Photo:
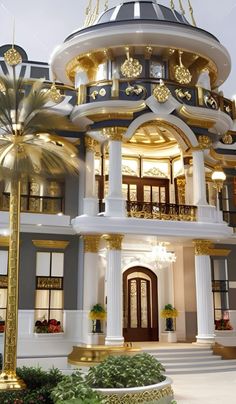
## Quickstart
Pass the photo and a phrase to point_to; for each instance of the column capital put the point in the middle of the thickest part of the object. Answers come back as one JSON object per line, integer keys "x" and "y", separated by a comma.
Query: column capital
{"x": 114, "y": 241}
{"x": 114, "y": 133}
{"x": 90, "y": 143}
{"x": 203, "y": 247}
{"x": 91, "y": 243}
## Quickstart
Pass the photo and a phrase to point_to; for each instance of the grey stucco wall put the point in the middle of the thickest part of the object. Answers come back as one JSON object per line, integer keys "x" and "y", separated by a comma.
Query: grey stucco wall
{"x": 27, "y": 280}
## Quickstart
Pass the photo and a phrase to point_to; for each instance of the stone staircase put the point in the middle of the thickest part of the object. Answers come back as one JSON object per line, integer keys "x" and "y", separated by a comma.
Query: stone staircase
{"x": 191, "y": 360}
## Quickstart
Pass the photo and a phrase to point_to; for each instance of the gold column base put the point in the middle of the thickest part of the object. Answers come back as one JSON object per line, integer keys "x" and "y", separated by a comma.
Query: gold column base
{"x": 11, "y": 382}
{"x": 91, "y": 355}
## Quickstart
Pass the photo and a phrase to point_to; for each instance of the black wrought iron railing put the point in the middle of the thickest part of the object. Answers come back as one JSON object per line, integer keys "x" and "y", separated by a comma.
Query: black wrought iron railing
{"x": 230, "y": 218}
{"x": 162, "y": 211}
{"x": 35, "y": 203}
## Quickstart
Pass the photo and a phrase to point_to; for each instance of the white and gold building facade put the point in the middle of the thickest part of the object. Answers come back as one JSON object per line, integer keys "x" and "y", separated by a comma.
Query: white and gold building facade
{"x": 152, "y": 128}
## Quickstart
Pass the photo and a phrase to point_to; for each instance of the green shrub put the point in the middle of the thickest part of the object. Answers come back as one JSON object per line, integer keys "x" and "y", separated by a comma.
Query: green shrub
{"x": 39, "y": 386}
{"x": 73, "y": 390}
{"x": 126, "y": 371}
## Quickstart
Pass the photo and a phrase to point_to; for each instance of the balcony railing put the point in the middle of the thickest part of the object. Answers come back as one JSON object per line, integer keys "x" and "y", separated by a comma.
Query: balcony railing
{"x": 35, "y": 204}
{"x": 161, "y": 211}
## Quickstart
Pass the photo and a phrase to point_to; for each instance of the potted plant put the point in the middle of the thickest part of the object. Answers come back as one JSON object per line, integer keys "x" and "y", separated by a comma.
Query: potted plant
{"x": 48, "y": 326}
{"x": 131, "y": 379}
{"x": 169, "y": 313}
{"x": 223, "y": 325}
{"x": 96, "y": 314}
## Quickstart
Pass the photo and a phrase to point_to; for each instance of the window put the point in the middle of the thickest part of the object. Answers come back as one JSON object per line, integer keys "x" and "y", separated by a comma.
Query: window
{"x": 3, "y": 283}
{"x": 49, "y": 301}
{"x": 220, "y": 288}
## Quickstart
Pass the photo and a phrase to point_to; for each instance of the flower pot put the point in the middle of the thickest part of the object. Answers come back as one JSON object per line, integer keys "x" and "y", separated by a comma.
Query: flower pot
{"x": 160, "y": 393}
{"x": 97, "y": 327}
{"x": 169, "y": 324}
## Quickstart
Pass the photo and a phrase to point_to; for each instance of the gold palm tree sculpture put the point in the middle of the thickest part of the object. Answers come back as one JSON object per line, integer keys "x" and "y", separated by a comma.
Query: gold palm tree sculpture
{"x": 26, "y": 148}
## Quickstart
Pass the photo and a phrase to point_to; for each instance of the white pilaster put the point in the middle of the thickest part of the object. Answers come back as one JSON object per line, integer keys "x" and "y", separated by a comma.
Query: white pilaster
{"x": 115, "y": 204}
{"x": 90, "y": 200}
{"x": 205, "y": 311}
{"x": 188, "y": 186}
{"x": 114, "y": 292}
{"x": 91, "y": 277}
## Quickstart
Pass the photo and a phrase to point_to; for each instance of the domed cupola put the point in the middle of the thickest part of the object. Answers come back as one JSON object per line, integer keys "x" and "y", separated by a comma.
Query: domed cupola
{"x": 149, "y": 31}
{"x": 140, "y": 10}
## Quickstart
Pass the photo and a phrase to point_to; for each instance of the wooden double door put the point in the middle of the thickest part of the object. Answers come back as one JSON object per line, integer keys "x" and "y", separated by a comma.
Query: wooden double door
{"x": 140, "y": 305}
{"x": 145, "y": 189}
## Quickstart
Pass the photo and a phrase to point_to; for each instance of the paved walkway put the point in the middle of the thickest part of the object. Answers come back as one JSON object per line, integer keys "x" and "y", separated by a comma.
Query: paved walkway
{"x": 205, "y": 388}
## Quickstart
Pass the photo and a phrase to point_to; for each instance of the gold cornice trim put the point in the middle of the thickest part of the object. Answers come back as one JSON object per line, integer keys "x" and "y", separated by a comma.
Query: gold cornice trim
{"x": 225, "y": 159}
{"x": 199, "y": 120}
{"x": 99, "y": 117}
{"x": 218, "y": 252}
{"x": 55, "y": 244}
{"x": 91, "y": 243}
{"x": 4, "y": 241}
{"x": 114, "y": 241}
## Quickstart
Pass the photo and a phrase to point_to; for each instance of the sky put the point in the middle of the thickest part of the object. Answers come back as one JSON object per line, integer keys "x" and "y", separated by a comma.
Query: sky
{"x": 41, "y": 25}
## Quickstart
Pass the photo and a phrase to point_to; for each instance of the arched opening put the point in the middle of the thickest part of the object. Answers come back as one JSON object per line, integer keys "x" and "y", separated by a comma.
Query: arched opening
{"x": 140, "y": 305}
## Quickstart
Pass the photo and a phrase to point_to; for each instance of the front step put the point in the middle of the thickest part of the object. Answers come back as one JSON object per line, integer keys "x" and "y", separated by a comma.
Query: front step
{"x": 191, "y": 360}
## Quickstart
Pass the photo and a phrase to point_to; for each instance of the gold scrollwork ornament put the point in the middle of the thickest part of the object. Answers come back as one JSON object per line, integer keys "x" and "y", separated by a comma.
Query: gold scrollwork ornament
{"x": 182, "y": 74}
{"x": 161, "y": 92}
{"x": 131, "y": 68}
{"x": 204, "y": 142}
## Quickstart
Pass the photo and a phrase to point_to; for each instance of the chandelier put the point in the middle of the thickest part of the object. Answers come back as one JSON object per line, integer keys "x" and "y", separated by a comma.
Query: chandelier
{"x": 159, "y": 256}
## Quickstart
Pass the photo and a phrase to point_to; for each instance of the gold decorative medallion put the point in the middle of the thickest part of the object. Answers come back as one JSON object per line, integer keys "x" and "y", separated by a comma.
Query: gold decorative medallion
{"x": 131, "y": 68}
{"x": 181, "y": 94}
{"x": 202, "y": 247}
{"x": 55, "y": 94}
{"x": 227, "y": 138}
{"x": 204, "y": 142}
{"x": 182, "y": 74}
{"x": 12, "y": 57}
{"x": 161, "y": 92}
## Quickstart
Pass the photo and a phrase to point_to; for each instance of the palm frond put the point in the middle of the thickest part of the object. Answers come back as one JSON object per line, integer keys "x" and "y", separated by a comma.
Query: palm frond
{"x": 25, "y": 145}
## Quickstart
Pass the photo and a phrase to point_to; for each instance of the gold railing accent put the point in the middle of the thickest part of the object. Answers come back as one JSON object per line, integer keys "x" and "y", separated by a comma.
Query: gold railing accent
{"x": 161, "y": 211}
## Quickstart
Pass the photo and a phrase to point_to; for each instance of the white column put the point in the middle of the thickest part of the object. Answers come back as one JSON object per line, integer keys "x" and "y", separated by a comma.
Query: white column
{"x": 204, "y": 295}
{"x": 205, "y": 212}
{"x": 115, "y": 204}
{"x": 90, "y": 287}
{"x": 90, "y": 200}
{"x": 188, "y": 186}
{"x": 199, "y": 182}
{"x": 114, "y": 291}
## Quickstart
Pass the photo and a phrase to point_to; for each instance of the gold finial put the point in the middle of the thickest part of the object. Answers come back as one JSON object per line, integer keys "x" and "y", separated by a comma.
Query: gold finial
{"x": 191, "y": 13}
{"x": 12, "y": 57}
{"x": 172, "y": 6}
{"x": 181, "y": 7}
{"x": 55, "y": 94}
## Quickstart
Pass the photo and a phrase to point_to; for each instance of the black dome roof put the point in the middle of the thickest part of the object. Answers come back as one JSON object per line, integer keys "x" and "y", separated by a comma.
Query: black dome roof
{"x": 140, "y": 10}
